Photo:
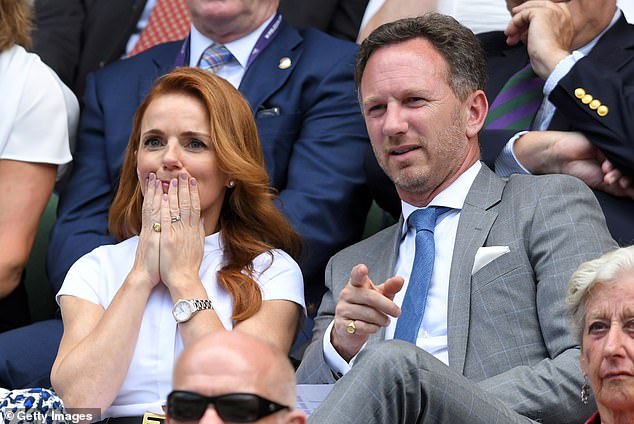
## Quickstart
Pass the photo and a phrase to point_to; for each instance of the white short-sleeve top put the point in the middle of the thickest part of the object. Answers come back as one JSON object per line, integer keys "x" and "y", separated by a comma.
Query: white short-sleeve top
{"x": 98, "y": 275}
{"x": 38, "y": 113}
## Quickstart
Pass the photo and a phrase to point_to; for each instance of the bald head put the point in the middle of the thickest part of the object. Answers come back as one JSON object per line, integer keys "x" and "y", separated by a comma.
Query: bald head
{"x": 230, "y": 362}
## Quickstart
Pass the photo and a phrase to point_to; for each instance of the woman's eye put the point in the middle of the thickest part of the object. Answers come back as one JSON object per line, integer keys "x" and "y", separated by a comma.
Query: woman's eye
{"x": 152, "y": 142}
{"x": 596, "y": 327}
{"x": 196, "y": 144}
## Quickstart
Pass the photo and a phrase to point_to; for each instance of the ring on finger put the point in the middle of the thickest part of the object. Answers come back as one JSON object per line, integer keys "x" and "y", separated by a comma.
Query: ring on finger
{"x": 351, "y": 328}
{"x": 156, "y": 227}
{"x": 175, "y": 219}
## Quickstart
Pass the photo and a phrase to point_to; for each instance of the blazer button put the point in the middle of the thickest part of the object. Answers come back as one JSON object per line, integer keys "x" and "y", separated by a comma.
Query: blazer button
{"x": 602, "y": 110}
{"x": 594, "y": 104}
{"x": 586, "y": 99}
{"x": 580, "y": 92}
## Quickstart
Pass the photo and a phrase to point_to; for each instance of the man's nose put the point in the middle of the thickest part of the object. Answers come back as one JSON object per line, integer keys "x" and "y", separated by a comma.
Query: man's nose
{"x": 210, "y": 417}
{"x": 395, "y": 122}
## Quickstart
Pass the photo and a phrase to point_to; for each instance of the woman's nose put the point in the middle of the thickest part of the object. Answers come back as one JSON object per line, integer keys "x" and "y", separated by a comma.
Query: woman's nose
{"x": 614, "y": 344}
{"x": 171, "y": 156}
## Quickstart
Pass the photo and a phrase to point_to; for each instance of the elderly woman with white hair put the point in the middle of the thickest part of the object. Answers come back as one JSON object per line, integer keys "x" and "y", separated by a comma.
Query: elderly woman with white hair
{"x": 601, "y": 312}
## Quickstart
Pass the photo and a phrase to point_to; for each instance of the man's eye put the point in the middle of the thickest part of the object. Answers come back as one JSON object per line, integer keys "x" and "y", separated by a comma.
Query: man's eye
{"x": 376, "y": 110}
{"x": 415, "y": 101}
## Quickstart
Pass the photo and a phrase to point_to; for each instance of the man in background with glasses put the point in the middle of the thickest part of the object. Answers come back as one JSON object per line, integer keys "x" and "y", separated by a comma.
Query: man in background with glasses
{"x": 232, "y": 377}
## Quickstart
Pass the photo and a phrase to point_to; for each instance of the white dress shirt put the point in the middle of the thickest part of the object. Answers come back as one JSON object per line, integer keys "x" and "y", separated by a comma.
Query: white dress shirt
{"x": 477, "y": 15}
{"x": 432, "y": 334}
{"x": 240, "y": 49}
{"x": 98, "y": 276}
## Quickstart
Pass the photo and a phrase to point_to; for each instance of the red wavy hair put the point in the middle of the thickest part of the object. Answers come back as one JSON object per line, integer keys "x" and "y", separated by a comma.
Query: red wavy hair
{"x": 250, "y": 223}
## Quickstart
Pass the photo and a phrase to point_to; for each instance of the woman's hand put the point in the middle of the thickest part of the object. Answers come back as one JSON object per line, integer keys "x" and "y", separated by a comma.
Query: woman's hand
{"x": 182, "y": 236}
{"x": 146, "y": 261}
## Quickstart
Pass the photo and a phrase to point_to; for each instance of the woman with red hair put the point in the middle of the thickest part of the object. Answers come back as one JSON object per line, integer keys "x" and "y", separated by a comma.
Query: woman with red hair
{"x": 204, "y": 248}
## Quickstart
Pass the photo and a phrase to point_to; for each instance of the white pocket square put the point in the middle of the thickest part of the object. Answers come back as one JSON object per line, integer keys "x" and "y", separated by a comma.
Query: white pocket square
{"x": 486, "y": 255}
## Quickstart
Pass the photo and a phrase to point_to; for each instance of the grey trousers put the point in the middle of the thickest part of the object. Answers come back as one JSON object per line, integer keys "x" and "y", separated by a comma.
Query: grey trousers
{"x": 396, "y": 383}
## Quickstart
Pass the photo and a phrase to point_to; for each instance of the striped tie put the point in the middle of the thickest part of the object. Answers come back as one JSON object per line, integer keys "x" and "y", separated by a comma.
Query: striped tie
{"x": 516, "y": 105}
{"x": 214, "y": 58}
{"x": 169, "y": 21}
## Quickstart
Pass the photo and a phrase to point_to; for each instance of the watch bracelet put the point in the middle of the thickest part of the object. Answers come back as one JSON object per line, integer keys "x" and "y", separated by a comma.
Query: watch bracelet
{"x": 202, "y": 304}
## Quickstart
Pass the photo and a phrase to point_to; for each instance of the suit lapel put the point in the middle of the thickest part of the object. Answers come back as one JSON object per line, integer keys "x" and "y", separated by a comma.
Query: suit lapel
{"x": 265, "y": 75}
{"x": 476, "y": 220}
{"x": 614, "y": 49}
{"x": 163, "y": 60}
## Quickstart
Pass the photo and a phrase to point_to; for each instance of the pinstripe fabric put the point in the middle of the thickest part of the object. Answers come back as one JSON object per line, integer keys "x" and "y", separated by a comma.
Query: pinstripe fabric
{"x": 506, "y": 326}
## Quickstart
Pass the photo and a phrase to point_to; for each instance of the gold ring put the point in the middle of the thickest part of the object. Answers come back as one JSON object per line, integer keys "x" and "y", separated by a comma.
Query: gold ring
{"x": 351, "y": 328}
{"x": 156, "y": 227}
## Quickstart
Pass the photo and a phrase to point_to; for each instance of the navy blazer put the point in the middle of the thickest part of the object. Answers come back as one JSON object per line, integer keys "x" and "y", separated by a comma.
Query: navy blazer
{"x": 313, "y": 148}
{"x": 607, "y": 73}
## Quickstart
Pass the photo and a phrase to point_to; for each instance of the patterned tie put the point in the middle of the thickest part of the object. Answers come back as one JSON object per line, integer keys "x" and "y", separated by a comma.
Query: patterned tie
{"x": 214, "y": 58}
{"x": 516, "y": 105}
{"x": 413, "y": 309}
{"x": 168, "y": 21}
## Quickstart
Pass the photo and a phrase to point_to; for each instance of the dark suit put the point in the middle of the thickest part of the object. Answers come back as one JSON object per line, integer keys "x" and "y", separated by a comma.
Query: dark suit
{"x": 341, "y": 18}
{"x": 506, "y": 324}
{"x": 76, "y": 37}
{"x": 607, "y": 73}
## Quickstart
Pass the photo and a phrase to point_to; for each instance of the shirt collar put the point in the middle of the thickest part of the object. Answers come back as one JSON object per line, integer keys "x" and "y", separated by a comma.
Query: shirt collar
{"x": 588, "y": 47}
{"x": 240, "y": 48}
{"x": 452, "y": 197}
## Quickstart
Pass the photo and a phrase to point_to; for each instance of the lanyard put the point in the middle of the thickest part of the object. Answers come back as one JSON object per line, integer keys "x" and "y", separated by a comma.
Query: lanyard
{"x": 263, "y": 40}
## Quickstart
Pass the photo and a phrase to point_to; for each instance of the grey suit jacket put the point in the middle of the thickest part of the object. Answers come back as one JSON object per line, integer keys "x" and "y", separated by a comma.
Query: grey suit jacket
{"x": 506, "y": 323}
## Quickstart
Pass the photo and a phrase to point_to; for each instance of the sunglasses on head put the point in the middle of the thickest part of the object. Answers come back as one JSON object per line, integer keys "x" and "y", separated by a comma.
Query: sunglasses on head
{"x": 232, "y": 407}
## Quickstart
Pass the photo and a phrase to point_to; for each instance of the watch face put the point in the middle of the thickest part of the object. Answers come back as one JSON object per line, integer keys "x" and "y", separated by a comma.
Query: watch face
{"x": 182, "y": 310}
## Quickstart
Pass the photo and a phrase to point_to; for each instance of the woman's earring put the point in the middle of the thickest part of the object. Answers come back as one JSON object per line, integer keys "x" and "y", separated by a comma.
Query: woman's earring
{"x": 585, "y": 390}
{"x": 232, "y": 184}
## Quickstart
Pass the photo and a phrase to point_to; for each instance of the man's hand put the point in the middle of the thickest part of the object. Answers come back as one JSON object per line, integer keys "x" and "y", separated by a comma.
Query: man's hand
{"x": 369, "y": 306}
{"x": 547, "y": 29}
{"x": 568, "y": 152}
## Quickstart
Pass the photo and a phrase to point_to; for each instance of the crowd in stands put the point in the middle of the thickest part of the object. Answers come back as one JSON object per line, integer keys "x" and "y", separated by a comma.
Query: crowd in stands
{"x": 216, "y": 162}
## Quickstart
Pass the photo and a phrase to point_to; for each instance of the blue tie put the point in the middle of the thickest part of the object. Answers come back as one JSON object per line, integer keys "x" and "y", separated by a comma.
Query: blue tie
{"x": 214, "y": 58}
{"x": 413, "y": 308}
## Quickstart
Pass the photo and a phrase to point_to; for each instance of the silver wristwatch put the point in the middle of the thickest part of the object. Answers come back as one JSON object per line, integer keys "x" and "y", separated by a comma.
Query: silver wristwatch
{"x": 184, "y": 309}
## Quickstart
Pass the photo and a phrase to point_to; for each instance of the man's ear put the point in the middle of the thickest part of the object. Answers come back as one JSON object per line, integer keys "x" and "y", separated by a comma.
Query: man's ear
{"x": 478, "y": 107}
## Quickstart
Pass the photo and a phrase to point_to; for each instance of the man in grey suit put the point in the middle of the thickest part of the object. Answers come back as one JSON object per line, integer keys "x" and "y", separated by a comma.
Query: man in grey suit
{"x": 492, "y": 344}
